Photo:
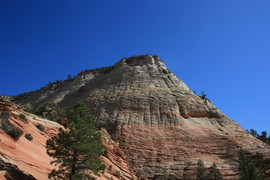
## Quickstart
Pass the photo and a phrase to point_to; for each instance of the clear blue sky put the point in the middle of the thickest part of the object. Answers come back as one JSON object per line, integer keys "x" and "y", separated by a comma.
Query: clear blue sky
{"x": 221, "y": 47}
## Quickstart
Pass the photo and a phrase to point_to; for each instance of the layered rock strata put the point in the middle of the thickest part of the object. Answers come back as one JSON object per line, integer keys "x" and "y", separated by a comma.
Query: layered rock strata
{"x": 29, "y": 156}
{"x": 26, "y": 159}
{"x": 158, "y": 121}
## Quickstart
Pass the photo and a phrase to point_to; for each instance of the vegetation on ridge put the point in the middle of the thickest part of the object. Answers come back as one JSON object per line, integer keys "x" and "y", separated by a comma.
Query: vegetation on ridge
{"x": 102, "y": 70}
{"x": 263, "y": 136}
{"x": 138, "y": 57}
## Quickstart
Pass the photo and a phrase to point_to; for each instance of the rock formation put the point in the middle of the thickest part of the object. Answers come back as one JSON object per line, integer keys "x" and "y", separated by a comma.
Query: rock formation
{"x": 26, "y": 159}
{"x": 158, "y": 121}
{"x": 28, "y": 155}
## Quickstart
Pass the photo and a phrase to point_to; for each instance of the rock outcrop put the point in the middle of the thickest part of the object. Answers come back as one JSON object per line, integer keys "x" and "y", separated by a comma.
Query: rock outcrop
{"x": 158, "y": 121}
{"x": 25, "y": 154}
{"x": 26, "y": 158}
{"x": 117, "y": 166}
{"x": 12, "y": 172}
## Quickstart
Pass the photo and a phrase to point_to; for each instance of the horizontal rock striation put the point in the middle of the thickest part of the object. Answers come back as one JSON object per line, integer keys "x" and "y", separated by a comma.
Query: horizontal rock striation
{"x": 158, "y": 121}
{"x": 117, "y": 166}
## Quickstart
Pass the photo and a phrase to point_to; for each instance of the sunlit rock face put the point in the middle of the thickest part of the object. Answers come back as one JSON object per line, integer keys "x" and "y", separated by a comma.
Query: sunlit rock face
{"x": 27, "y": 159}
{"x": 24, "y": 158}
{"x": 158, "y": 121}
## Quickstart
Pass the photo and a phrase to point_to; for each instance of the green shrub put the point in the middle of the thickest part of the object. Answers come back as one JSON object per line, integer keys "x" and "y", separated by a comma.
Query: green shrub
{"x": 49, "y": 110}
{"x": 23, "y": 118}
{"x": 11, "y": 130}
{"x": 40, "y": 127}
{"x": 28, "y": 136}
{"x": 15, "y": 133}
{"x": 5, "y": 115}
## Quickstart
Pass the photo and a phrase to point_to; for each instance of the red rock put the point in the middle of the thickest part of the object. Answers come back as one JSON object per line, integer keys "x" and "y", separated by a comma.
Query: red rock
{"x": 31, "y": 158}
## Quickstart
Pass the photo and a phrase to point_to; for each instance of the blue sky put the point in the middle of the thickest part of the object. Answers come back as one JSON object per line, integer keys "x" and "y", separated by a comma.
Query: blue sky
{"x": 220, "y": 47}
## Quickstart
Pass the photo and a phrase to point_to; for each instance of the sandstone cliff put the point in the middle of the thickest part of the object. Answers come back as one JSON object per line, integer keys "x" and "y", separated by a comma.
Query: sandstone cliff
{"x": 158, "y": 121}
{"x": 26, "y": 159}
{"x": 28, "y": 155}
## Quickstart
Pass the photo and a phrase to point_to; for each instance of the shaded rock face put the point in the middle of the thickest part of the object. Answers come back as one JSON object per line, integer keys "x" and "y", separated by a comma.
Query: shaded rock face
{"x": 12, "y": 172}
{"x": 158, "y": 121}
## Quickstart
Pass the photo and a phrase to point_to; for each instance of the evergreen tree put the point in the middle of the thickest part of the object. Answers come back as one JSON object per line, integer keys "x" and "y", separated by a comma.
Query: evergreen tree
{"x": 203, "y": 96}
{"x": 201, "y": 171}
{"x": 263, "y": 137}
{"x": 214, "y": 173}
{"x": 253, "y": 133}
{"x": 76, "y": 150}
{"x": 69, "y": 78}
{"x": 50, "y": 110}
{"x": 247, "y": 169}
{"x": 261, "y": 166}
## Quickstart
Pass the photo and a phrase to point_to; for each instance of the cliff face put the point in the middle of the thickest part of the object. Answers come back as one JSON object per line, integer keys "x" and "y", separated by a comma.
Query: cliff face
{"x": 25, "y": 159}
{"x": 158, "y": 121}
{"x": 24, "y": 156}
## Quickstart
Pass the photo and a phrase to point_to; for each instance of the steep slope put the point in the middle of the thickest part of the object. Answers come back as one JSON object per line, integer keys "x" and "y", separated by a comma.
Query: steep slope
{"x": 159, "y": 122}
{"x": 28, "y": 155}
{"x": 26, "y": 159}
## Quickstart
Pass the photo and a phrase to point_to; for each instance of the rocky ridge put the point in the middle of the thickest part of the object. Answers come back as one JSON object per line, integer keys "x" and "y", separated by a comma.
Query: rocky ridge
{"x": 158, "y": 121}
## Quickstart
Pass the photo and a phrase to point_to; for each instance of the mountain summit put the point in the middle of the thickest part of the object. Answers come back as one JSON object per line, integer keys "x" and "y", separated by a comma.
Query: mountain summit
{"x": 158, "y": 121}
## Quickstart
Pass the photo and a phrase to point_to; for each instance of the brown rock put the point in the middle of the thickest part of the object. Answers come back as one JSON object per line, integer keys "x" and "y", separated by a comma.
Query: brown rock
{"x": 63, "y": 121}
{"x": 158, "y": 121}
{"x": 117, "y": 166}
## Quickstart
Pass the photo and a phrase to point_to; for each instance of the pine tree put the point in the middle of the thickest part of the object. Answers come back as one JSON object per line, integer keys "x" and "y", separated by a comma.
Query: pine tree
{"x": 247, "y": 169}
{"x": 201, "y": 170}
{"x": 69, "y": 77}
{"x": 214, "y": 173}
{"x": 76, "y": 150}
